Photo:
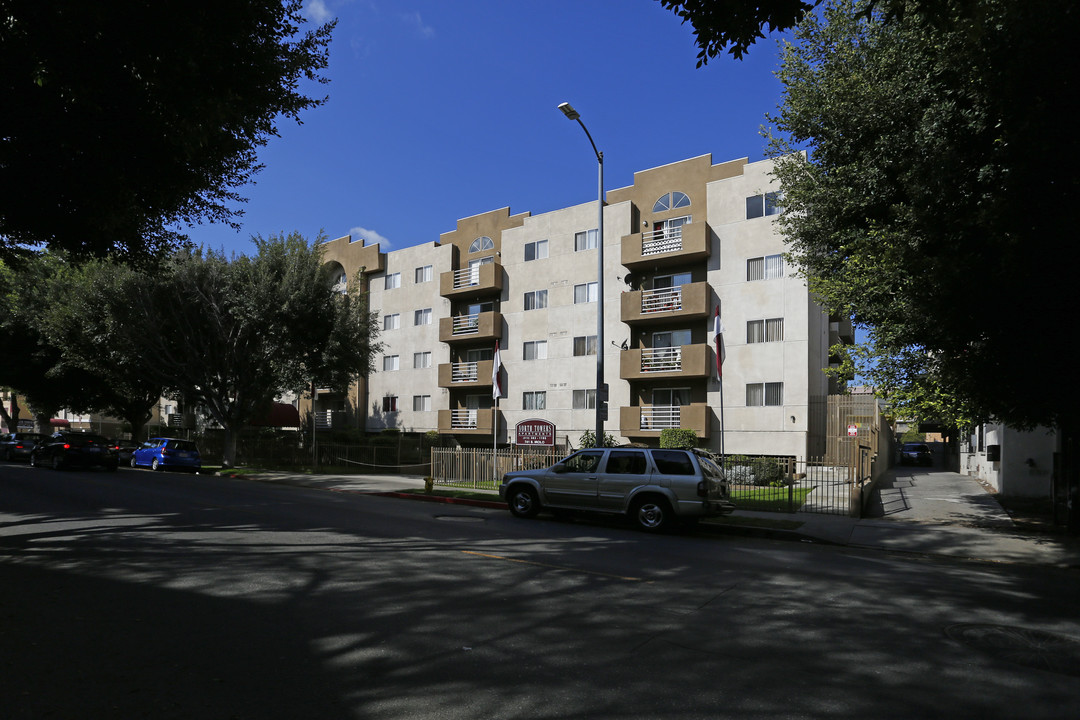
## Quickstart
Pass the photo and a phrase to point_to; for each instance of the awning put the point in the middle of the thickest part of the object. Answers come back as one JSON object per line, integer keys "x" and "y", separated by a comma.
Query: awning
{"x": 59, "y": 422}
{"x": 279, "y": 415}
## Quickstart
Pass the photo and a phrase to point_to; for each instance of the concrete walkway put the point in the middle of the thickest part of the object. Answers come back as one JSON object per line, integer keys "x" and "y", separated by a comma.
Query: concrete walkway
{"x": 914, "y": 510}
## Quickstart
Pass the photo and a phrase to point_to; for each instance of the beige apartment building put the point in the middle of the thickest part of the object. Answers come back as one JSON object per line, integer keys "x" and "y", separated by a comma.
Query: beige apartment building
{"x": 681, "y": 241}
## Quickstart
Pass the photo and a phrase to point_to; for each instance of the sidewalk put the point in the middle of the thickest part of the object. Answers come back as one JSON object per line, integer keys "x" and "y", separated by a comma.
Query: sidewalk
{"x": 921, "y": 511}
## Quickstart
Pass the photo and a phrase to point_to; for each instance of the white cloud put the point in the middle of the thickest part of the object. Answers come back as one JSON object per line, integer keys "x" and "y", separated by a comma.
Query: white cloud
{"x": 414, "y": 18}
{"x": 370, "y": 237}
{"x": 317, "y": 10}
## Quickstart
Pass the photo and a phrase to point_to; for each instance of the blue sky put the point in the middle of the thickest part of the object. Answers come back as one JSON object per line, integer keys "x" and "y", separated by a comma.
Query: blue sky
{"x": 439, "y": 110}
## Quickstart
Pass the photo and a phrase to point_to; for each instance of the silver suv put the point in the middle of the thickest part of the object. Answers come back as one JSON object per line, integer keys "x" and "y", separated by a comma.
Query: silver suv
{"x": 653, "y": 487}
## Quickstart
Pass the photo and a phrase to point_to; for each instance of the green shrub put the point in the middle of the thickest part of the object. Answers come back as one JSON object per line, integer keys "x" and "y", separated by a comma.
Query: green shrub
{"x": 678, "y": 438}
{"x": 588, "y": 440}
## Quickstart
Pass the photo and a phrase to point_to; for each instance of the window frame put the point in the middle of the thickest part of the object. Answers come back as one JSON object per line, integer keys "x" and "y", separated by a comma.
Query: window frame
{"x": 391, "y": 321}
{"x": 536, "y": 246}
{"x": 586, "y": 342}
{"x": 422, "y": 316}
{"x": 424, "y": 273}
{"x": 586, "y": 240}
{"x": 391, "y": 363}
{"x": 529, "y": 400}
{"x": 591, "y": 290}
{"x": 424, "y": 358}
{"x": 537, "y": 303}
{"x": 392, "y": 281}
{"x": 538, "y": 348}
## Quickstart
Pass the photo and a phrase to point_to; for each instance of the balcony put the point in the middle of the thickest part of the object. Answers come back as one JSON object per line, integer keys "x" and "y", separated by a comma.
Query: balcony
{"x": 686, "y": 302}
{"x": 686, "y": 361}
{"x": 480, "y": 327}
{"x": 647, "y": 421}
{"x": 472, "y": 282}
{"x": 466, "y": 421}
{"x": 670, "y": 246}
{"x": 465, "y": 375}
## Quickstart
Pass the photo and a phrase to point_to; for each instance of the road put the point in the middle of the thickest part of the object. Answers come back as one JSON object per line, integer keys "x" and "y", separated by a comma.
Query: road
{"x": 160, "y": 595}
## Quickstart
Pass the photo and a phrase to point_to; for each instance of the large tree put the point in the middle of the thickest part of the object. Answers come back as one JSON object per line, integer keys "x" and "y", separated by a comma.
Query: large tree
{"x": 229, "y": 334}
{"x": 123, "y": 119}
{"x": 935, "y": 197}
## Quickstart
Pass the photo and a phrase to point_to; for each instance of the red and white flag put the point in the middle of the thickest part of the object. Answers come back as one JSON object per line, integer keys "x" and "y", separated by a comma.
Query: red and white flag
{"x": 716, "y": 335}
{"x": 496, "y": 389}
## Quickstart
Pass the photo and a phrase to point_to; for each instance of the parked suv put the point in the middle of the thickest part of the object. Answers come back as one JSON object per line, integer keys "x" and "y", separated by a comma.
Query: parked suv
{"x": 916, "y": 454}
{"x": 653, "y": 487}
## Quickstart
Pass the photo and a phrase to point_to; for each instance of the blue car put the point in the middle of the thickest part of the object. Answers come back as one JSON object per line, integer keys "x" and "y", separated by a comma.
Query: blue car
{"x": 167, "y": 453}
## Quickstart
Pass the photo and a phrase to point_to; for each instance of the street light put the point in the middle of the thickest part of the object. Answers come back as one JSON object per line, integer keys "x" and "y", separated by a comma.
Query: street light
{"x": 601, "y": 388}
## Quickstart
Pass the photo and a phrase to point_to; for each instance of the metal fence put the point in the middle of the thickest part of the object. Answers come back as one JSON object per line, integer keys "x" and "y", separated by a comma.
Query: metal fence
{"x": 815, "y": 485}
{"x": 474, "y": 467}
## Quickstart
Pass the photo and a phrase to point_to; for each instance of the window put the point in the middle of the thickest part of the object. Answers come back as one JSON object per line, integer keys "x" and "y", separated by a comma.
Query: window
{"x": 479, "y": 355}
{"x": 421, "y": 403}
{"x": 671, "y": 338}
{"x": 669, "y": 281}
{"x": 534, "y": 400}
{"x": 670, "y": 201}
{"x": 770, "y": 267}
{"x": 536, "y": 299}
{"x": 585, "y": 240}
{"x": 673, "y": 462}
{"x": 424, "y": 274}
{"x": 536, "y": 250}
{"x": 393, "y": 280}
{"x": 626, "y": 462}
{"x": 671, "y": 397}
{"x": 764, "y": 394}
{"x": 481, "y": 244}
{"x": 389, "y": 403}
{"x": 585, "y": 293}
{"x": 584, "y": 345}
{"x": 391, "y": 322}
{"x": 389, "y": 363}
{"x": 762, "y": 205}
{"x": 421, "y": 360}
{"x": 584, "y": 399}
{"x": 770, "y": 330}
{"x": 422, "y": 317}
{"x": 535, "y": 350}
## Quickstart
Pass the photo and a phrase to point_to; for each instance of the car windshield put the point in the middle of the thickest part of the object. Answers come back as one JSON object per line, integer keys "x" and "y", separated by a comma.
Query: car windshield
{"x": 916, "y": 448}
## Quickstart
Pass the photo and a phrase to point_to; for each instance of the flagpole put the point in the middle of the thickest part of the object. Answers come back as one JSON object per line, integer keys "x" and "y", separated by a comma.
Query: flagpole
{"x": 495, "y": 440}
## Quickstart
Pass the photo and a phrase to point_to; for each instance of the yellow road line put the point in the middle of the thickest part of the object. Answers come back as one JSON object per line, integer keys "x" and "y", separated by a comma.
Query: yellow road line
{"x": 553, "y": 567}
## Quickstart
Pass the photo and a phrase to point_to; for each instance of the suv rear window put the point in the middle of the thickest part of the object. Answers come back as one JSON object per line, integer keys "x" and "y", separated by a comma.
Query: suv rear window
{"x": 180, "y": 445}
{"x": 673, "y": 462}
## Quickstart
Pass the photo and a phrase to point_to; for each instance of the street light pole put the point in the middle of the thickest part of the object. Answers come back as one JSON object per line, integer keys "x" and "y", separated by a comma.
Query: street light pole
{"x": 601, "y": 387}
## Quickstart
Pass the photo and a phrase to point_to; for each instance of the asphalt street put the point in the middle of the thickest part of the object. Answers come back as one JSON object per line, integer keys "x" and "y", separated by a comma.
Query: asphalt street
{"x": 139, "y": 594}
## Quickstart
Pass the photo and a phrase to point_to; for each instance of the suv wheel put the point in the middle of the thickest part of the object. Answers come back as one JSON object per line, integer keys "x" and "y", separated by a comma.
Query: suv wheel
{"x": 133, "y": 463}
{"x": 155, "y": 465}
{"x": 651, "y": 514}
{"x": 523, "y": 502}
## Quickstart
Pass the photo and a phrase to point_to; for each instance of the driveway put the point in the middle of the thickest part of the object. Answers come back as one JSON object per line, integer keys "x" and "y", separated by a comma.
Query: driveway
{"x": 930, "y": 495}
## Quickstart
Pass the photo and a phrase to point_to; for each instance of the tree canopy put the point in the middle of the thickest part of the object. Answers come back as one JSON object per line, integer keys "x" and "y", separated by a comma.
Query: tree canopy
{"x": 932, "y": 201}
{"x": 122, "y": 120}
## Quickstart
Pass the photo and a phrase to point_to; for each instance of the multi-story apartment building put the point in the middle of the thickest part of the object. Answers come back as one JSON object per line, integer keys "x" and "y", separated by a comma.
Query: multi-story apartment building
{"x": 683, "y": 240}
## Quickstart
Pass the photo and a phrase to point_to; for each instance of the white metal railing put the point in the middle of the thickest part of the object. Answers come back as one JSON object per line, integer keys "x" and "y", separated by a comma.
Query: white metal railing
{"x": 664, "y": 240}
{"x": 466, "y": 277}
{"x": 464, "y": 372}
{"x": 667, "y": 359}
{"x": 661, "y": 300}
{"x": 463, "y": 419}
{"x": 466, "y": 325}
{"x": 659, "y": 417}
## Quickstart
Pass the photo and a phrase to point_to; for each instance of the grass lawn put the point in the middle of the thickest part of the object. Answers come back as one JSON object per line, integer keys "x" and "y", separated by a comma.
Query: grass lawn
{"x": 769, "y": 499}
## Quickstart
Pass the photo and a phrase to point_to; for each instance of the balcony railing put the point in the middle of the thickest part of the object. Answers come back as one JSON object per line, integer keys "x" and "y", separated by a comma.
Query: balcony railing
{"x": 661, "y": 300}
{"x": 660, "y": 417}
{"x": 466, "y": 277}
{"x": 665, "y": 240}
{"x": 463, "y": 419}
{"x": 466, "y": 324}
{"x": 667, "y": 359}
{"x": 464, "y": 372}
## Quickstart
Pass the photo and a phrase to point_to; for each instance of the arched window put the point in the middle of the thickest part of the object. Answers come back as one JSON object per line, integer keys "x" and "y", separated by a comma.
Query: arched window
{"x": 671, "y": 201}
{"x": 481, "y": 243}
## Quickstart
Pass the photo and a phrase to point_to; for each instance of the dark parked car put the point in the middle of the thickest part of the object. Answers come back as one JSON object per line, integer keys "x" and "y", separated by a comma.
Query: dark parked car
{"x": 74, "y": 449}
{"x": 17, "y": 445}
{"x": 916, "y": 454}
{"x": 124, "y": 448}
{"x": 166, "y": 453}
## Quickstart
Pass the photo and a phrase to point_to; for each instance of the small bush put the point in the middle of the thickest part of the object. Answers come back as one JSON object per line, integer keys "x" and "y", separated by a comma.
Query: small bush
{"x": 678, "y": 438}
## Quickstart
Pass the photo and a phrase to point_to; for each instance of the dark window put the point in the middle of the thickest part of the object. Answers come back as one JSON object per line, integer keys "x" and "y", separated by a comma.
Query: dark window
{"x": 673, "y": 462}
{"x": 626, "y": 462}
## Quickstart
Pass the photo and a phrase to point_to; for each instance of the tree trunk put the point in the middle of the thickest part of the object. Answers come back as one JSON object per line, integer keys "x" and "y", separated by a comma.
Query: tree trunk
{"x": 228, "y": 459}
